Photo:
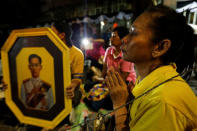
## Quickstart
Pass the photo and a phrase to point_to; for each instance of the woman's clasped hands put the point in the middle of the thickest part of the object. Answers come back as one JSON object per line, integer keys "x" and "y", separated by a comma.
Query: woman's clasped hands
{"x": 117, "y": 87}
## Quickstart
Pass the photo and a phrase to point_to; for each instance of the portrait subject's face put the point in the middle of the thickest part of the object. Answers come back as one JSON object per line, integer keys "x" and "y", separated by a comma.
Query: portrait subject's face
{"x": 35, "y": 67}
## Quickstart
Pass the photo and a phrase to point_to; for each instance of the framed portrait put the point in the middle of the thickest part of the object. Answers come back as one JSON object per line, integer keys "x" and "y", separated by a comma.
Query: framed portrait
{"x": 37, "y": 69}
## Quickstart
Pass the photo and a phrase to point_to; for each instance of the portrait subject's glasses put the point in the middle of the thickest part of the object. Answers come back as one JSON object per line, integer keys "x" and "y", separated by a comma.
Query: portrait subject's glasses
{"x": 34, "y": 65}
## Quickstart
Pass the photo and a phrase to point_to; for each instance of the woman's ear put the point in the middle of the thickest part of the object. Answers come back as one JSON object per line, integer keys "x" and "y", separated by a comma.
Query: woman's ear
{"x": 161, "y": 48}
{"x": 62, "y": 35}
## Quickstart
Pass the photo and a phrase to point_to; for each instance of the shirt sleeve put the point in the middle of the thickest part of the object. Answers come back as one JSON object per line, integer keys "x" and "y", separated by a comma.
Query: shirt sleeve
{"x": 105, "y": 56}
{"x": 77, "y": 66}
{"x": 158, "y": 116}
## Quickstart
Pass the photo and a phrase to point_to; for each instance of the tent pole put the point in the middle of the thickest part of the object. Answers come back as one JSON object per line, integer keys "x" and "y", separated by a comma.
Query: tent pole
{"x": 194, "y": 18}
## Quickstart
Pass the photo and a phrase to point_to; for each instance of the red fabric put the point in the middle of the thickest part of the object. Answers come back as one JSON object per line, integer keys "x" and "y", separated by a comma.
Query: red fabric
{"x": 96, "y": 52}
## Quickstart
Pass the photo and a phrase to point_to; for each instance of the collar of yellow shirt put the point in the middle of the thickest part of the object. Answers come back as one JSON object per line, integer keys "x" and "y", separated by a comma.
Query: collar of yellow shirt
{"x": 153, "y": 79}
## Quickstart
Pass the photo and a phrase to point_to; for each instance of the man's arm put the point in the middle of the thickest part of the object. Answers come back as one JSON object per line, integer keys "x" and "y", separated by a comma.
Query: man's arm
{"x": 71, "y": 88}
{"x": 76, "y": 72}
{"x": 23, "y": 95}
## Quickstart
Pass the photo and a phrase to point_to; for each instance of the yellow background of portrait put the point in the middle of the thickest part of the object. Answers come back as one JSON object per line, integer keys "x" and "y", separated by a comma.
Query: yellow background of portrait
{"x": 23, "y": 72}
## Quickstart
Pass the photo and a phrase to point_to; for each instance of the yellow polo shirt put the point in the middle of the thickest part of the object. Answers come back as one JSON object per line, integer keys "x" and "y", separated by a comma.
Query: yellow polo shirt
{"x": 77, "y": 63}
{"x": 170, "y": 107}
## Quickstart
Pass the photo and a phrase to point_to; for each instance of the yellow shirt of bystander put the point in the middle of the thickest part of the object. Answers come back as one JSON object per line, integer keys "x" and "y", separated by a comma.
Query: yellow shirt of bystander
{"x": 172, "y": 106}
{"x": 77, "y": 63}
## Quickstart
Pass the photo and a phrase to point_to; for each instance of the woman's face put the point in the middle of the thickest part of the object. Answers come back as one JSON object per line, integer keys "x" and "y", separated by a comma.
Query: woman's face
{"x": 138, "y": 43}
{"x": 115, "y": 39}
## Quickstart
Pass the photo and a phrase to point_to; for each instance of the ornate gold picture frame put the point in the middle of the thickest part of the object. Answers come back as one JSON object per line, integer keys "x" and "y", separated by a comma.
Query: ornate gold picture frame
{"x": 36, "y": 53}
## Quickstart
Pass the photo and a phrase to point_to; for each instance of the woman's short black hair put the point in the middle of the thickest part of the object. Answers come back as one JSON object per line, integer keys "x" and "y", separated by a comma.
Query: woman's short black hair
{"x": 122, "y": 31}
{"x": 168, "y": 24}
{"x": 63, "y": 26}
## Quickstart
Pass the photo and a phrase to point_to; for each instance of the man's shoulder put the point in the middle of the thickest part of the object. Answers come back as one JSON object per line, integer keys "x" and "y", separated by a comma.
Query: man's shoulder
{"x": 26, "y": 80}
{"x": 76, "y": 54}
{"x": 76, "y": 50}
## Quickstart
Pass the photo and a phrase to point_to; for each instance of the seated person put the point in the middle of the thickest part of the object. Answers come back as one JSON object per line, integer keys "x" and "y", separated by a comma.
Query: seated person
{"x": 113, "y": 57}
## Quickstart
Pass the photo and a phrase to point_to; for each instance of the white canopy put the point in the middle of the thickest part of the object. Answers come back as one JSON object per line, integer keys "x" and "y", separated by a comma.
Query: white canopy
{"x": 192, "y": 7}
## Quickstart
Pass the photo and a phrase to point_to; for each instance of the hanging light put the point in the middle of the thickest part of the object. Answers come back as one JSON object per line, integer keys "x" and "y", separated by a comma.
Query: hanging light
{"x": 85, "y": 42}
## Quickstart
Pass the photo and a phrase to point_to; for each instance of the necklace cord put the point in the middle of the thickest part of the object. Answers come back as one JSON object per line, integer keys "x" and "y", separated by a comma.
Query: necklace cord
{"x": 126, "y": 104}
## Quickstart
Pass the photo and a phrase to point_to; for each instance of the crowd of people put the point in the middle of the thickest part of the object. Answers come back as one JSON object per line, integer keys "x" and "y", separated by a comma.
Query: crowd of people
{"x": 143, "y": 65}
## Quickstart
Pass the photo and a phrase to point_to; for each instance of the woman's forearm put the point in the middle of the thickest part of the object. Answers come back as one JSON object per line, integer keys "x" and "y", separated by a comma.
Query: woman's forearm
{"x": 121, "y": 119}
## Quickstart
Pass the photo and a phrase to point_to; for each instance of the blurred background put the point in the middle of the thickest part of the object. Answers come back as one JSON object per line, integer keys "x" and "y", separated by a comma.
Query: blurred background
{"x": 93, "y": 19}
{"x": 16, "y": 14}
